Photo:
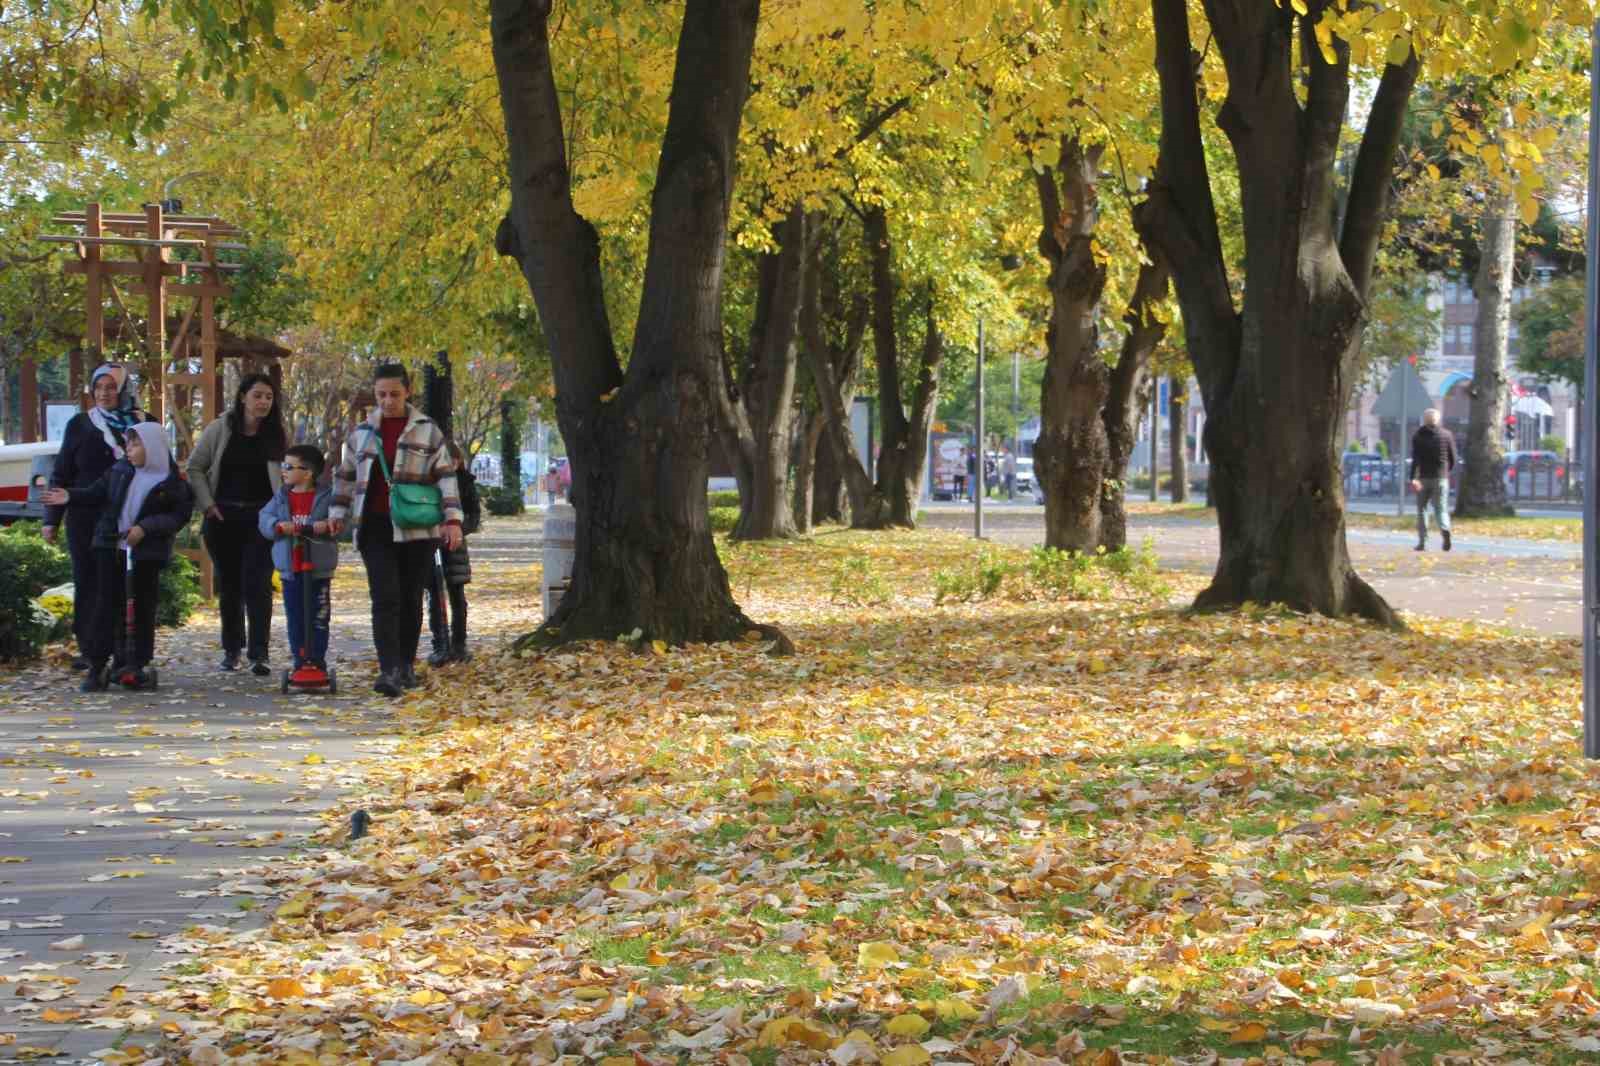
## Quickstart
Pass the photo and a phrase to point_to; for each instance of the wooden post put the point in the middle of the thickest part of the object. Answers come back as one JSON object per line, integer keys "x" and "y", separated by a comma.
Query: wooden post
{"x": 210, "y": 403}
{"x": 75, "y": 373}
{"x": 94, "y": 299}
{"x": 155, "y": 283}
{"x": 28, "y": 373}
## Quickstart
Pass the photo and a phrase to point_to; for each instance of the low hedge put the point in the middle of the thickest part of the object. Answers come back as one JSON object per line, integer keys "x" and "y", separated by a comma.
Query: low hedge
{"x": 28, "y": 566}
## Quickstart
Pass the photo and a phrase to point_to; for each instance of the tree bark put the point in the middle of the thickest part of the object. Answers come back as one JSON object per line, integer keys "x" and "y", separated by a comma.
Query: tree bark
{"x": 812, "y": 428}
{"x": 1179, "y": 450}
{"x": 439, "y": 393}
{"x": 1482, "y": 491}
{"x": 1276, "y": 373}
{"x": 1071, "y": 454}
{"x": 890, "y": 500}
{"x": 1144, "y": 329}
{"x": 756, "y": 412}
{"x": 829, "y": 501}
{"x": 644, "y": 557}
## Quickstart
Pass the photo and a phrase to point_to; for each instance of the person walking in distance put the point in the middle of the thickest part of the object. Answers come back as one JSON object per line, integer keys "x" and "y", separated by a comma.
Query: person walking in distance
{"x": 90, "y": 445}
{"x": 1433, "y": 456}
{"x": 453, "y": 575}
{"x": 143, "y": 504}
{"x": 397, "y": 483}
{"x": 234, "y": 471}
{"x": 295, "y": 523}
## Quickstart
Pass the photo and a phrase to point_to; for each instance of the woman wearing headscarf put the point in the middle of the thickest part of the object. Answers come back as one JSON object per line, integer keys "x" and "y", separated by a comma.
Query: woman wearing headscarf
{"x": 234, "y": 471}
{"x": 143, "y": 503}
{"x": 91, "y": 442}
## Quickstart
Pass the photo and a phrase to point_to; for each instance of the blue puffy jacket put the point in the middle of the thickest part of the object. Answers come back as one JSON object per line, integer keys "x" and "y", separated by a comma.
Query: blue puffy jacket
{"x": 324, "y": 549}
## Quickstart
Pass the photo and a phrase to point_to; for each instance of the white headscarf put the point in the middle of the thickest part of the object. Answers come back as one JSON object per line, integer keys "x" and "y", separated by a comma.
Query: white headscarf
{"x": 157, "y": 466}
{"x": 113, "y": 424}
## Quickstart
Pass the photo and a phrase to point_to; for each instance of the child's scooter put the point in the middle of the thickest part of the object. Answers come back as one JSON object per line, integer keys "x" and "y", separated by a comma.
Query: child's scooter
{"x": 131, "y": 677}
{"x": 309, "y": 675}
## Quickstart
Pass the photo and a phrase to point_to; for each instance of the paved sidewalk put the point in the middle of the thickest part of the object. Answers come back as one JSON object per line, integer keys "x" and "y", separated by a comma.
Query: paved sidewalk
{"x": 128, "y": 817}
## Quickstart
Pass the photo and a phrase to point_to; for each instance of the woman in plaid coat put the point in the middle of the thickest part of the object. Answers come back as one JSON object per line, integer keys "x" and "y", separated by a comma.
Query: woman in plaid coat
{"x": 398, "y": 561}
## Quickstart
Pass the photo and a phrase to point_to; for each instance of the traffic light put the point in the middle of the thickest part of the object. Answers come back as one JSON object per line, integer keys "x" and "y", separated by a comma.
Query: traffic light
{"x": 1511, "y": 427}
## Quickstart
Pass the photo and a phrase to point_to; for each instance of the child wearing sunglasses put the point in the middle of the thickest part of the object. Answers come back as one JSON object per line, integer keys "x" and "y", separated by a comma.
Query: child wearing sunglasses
{"x": 295, "y": 520}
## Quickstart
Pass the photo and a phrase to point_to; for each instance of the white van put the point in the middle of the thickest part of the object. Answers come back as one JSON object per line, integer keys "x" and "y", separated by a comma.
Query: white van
{"x": 24, "y": 474}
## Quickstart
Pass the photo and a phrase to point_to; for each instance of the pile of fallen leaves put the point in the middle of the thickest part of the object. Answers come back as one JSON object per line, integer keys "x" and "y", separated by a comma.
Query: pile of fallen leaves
{"x": 1003, "y": 832}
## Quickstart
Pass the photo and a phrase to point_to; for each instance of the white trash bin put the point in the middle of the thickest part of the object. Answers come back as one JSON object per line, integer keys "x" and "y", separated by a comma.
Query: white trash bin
{"x": 560, "y": 545}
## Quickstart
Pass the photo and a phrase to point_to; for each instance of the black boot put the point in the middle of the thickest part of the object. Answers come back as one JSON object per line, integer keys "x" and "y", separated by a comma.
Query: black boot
{"x": 386, "y": 685}
{"x": 1422, "y": 546}
{"x": 98, "y": 679}
{"x": 1446, "y": 535}
{"x": 441, "y": 652}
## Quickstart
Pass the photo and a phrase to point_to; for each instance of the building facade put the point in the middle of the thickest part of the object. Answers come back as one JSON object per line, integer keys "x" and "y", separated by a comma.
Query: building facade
{"x": 1542, "y": 409}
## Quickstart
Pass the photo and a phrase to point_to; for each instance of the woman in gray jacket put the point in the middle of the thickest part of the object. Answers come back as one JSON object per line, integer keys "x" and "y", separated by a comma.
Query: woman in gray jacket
{"x": 233, "y": 471}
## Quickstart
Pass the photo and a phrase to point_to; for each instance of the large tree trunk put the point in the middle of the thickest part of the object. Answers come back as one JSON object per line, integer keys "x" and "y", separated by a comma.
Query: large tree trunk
{"x": 1483, "y": 485}
{"x": 829, "y": 501}
{"x": 756, "y": 412}
{"x": 1144, "y": 330}
{"x": 805, "y": 468}
{"x": 891, "y": 500}
{"x": 1276, "y": 375}
{"x": 833, "y": 329}
{"x": 1070, "y": 456}
{"x": 1177, "y": 404}
{"x": 644, "y": 558}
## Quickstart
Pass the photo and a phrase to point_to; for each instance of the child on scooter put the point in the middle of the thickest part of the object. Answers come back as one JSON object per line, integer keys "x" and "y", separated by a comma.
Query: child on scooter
{"x": 296, "y": 521}
{"x": 143, "y": 505}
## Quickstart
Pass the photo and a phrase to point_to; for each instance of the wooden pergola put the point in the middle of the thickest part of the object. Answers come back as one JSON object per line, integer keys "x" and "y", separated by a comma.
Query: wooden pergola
{"x": 131, "y": 254}
{"x": 138, "y": 247}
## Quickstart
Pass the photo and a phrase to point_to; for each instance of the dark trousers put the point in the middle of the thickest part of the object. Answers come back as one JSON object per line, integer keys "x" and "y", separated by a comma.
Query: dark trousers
{"x": 85, "y": 575}
{"x": 243, "y": 558}
{"x": 455, "y": 634}
{"x": 107, "y": 628}
{"x": 314, "y": 649}
{"x": 397, "y": 574}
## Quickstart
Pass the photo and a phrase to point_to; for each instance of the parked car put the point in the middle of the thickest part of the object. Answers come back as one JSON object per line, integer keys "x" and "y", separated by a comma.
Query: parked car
{"x": 1367, "y": 474}
{"x": 1534, "y": 473}
{"x": 1024, "y": 474}
{"x": 24, "y": 474}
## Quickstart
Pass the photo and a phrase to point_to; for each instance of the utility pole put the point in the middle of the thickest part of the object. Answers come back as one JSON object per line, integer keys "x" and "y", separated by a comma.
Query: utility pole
{"x": 1591, "y": 426}
{"x": 977, "y": 466}
{"x": 1155, "y": 436}
{"x": 1400, "y": 449}
{"x": 1016, "y": 415}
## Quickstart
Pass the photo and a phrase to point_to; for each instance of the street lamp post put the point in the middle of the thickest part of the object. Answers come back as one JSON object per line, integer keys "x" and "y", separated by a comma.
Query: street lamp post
{"x": 977, "y": 465}
{"x": 1591, "y": 420}
{"x": 1016, "y": 414}
{"x": 1155, "y": 435}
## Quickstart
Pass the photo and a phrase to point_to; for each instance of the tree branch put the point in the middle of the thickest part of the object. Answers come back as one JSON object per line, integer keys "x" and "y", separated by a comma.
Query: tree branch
{"x": 1369, "y": 186}
{"x": 1178, "y": 217}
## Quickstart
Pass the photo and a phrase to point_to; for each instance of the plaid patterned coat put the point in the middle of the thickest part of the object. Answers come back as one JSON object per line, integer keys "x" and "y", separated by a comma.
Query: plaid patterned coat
{"x": 420, "y": 457}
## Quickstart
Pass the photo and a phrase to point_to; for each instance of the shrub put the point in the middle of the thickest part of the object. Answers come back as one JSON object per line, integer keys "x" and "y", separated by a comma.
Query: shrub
{"x": 722, "y": 499}
{"x": 28, "y": 566}
{"x": 1055, "y": 574}
{"x": 724, "y": 519}
{"x": 179, "y": 592}
{"x": 1049, "y": 574}
{"x": 979, "y": 580}
{"x": 856, "y": 583}
{"x": 502, "y": 501}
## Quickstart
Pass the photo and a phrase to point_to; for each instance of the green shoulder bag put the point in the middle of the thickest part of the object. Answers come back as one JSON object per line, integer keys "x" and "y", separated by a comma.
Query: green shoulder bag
{"x": 411, "y": 505}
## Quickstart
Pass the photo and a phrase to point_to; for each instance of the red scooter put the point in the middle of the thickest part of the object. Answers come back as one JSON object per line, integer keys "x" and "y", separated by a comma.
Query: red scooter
{"x": 309, "y": 676}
